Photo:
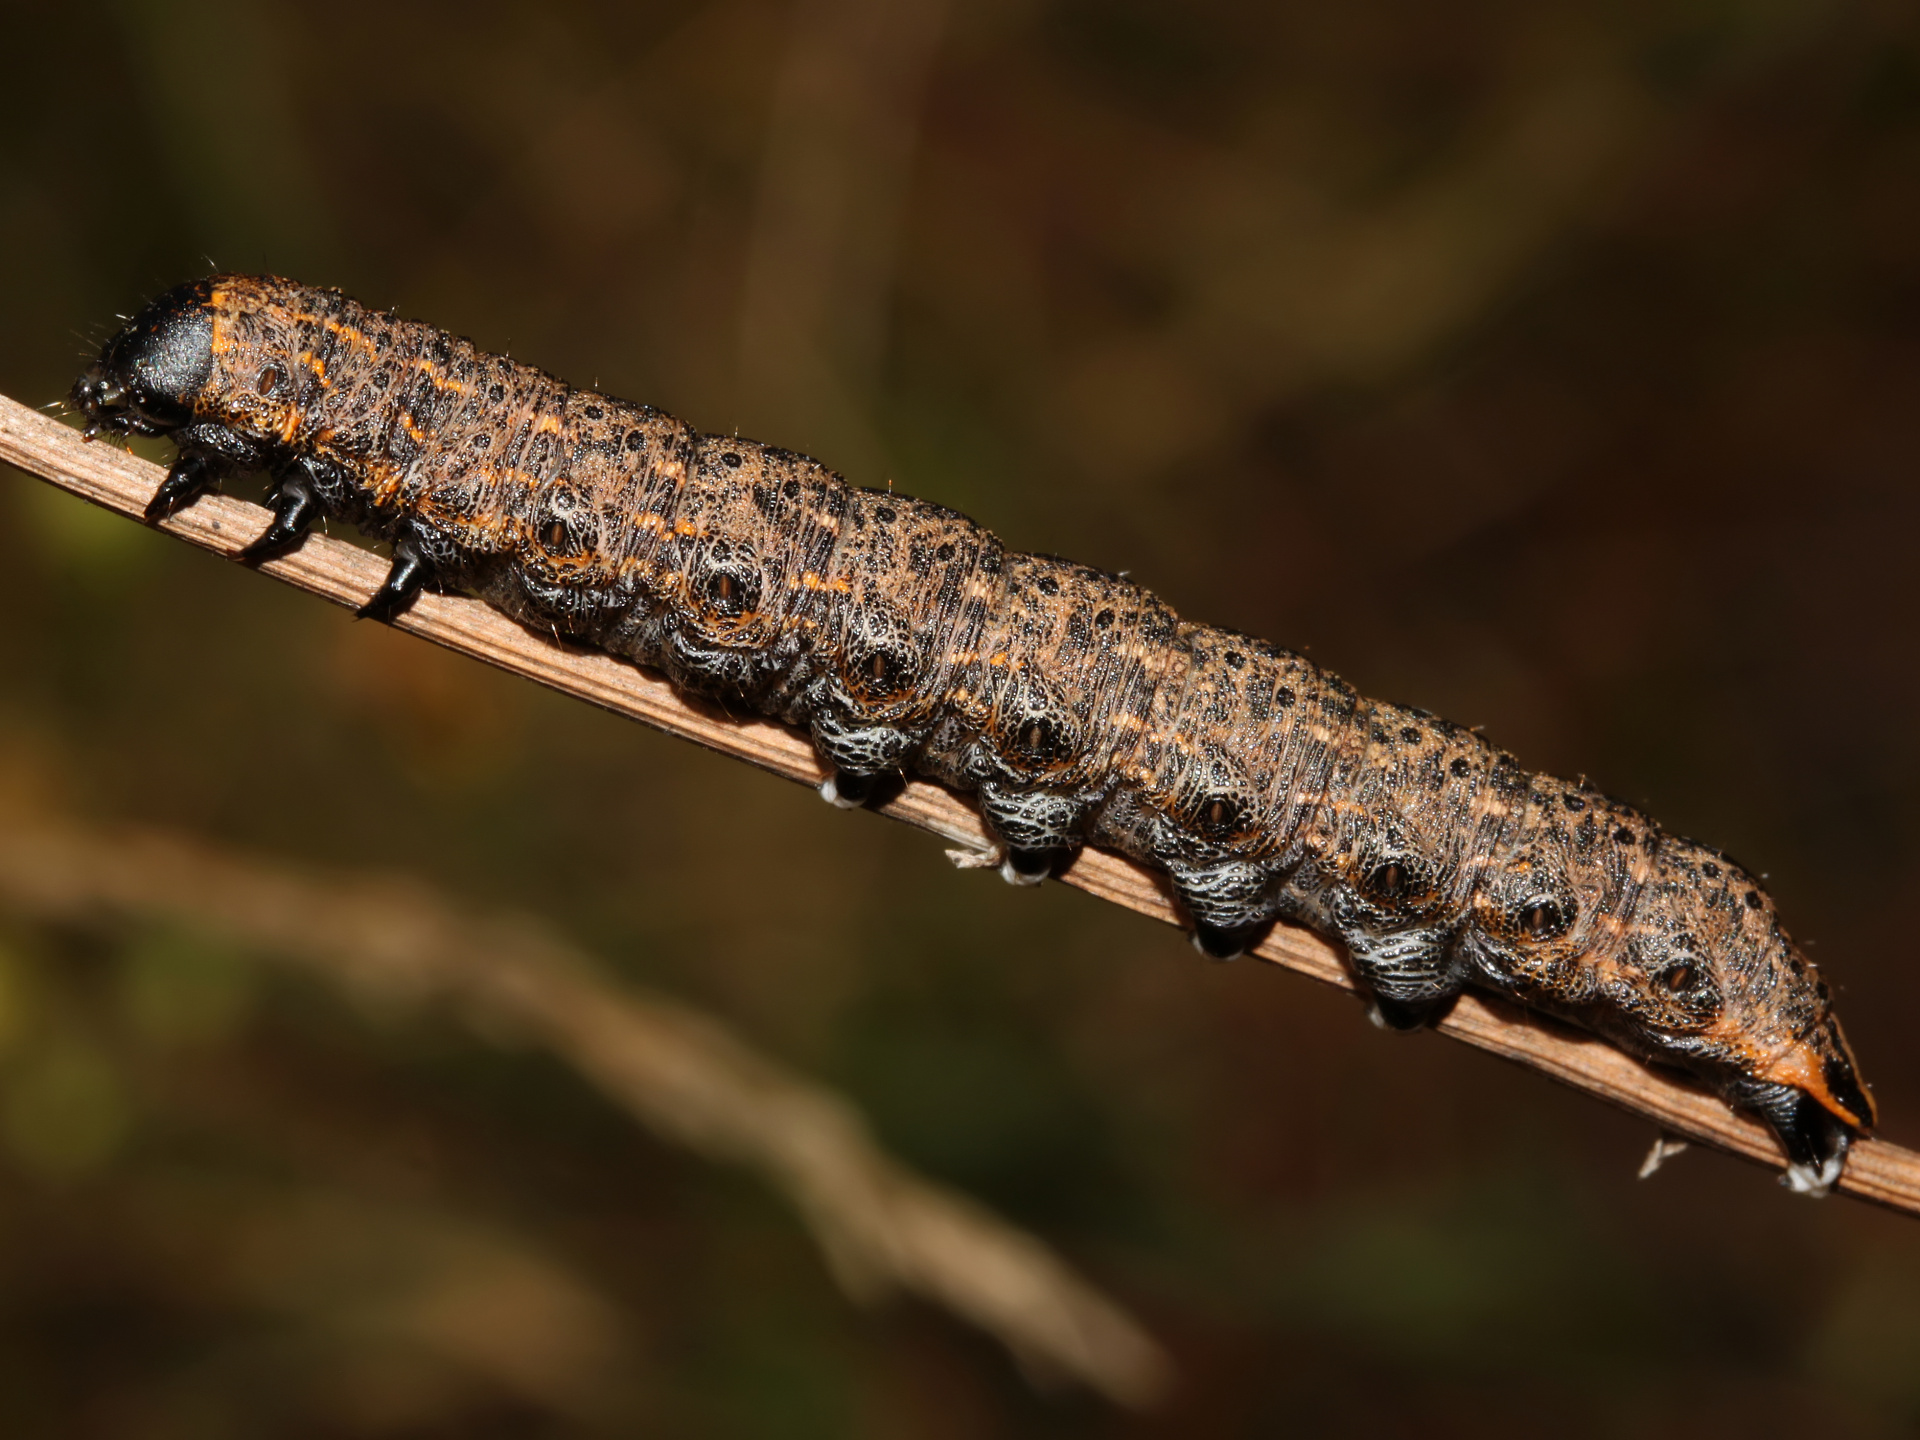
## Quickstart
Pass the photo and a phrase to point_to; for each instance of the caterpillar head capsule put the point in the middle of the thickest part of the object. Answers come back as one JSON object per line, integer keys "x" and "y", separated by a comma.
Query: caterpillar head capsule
{"x": 150, "y": 374}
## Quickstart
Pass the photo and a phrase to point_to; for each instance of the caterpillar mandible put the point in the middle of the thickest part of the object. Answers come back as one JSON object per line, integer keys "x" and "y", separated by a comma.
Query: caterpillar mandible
{"x": 1075, "y": 704}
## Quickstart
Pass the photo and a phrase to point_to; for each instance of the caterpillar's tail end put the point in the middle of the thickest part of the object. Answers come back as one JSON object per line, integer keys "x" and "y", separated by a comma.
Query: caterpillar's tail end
{"x": 1813, "y": 1100}
{"x": 1816, "y": 1144}
{"x": 1816, "y": 1139}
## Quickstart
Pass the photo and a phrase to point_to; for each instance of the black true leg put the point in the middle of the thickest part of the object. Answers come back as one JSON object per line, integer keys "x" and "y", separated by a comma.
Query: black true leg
{"x": 403, "y": 582}
{"x": 192, "y": 475}
{"x": 294, "y": 511}
{"x": 208, "y": 454}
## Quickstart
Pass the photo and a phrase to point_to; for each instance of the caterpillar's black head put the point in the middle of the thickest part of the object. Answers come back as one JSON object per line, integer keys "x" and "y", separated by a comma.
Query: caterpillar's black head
{"x": 149, "y": 375}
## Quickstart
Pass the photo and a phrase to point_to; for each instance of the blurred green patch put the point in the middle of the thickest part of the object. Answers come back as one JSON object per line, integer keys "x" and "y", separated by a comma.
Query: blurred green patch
{"x": 1870, "y": 1342}
{"x": 1402, "y": 1277}
{"x": 1476, "y": 1276}
{"x": 15, "y": 1003}
{"x": 178, "y": 988}
{"x": 784, "y": 1379}
{"x": 984, "y": 1108}
{"x": 64, "y": 1110}
{"x": 81, "y": 539}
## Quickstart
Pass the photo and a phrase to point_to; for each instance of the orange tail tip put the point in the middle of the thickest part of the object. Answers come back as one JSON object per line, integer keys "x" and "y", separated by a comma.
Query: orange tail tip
{"x": 1829, "y": 1079}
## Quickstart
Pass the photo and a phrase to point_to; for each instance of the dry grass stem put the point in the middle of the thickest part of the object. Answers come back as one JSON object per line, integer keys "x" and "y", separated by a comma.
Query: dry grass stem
{"x": 1877, "y": 1171}
{"x": 397, "y": 944}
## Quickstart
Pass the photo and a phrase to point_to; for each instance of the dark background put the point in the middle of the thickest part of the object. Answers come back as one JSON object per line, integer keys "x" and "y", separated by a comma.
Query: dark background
{"x": 1548, "y": 365}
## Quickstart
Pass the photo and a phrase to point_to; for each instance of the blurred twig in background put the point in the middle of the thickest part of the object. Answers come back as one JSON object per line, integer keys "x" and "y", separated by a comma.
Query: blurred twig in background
{"x": 1878, "y": 1171}
{"x": 394, "y": 943}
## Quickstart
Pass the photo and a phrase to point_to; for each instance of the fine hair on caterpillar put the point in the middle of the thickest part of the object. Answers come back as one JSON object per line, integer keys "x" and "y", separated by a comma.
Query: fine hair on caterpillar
{"x": 1073, "y": 703}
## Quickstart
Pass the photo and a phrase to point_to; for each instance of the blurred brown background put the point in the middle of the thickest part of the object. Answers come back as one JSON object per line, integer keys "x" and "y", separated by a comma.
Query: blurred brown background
{"x": 1548, "y": 365}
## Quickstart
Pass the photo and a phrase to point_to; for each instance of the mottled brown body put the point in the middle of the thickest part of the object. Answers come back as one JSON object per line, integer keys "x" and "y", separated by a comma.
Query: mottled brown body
{"x": 1073, "y": 702}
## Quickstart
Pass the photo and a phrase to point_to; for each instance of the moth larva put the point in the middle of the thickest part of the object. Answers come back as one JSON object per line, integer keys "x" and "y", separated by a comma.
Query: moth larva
{"x": 1075, "y": 704}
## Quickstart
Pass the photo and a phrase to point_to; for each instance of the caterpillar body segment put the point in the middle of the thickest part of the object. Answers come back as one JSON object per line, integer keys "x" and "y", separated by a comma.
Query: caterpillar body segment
{"x": 1075, "y": 704}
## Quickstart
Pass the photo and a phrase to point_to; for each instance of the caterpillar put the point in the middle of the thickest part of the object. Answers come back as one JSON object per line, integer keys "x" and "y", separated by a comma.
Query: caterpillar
{"x": 1073, "y": 703}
